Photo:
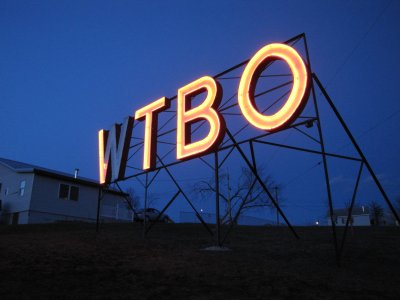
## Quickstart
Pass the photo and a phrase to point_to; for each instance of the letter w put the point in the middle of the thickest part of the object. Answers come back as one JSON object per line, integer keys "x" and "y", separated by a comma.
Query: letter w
{"x": 113, "y": 151}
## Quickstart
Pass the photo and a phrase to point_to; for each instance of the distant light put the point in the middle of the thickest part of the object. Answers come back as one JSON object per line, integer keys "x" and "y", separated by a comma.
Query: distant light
{"x": 317, "y": 223}
{"x": 201, "y": 210}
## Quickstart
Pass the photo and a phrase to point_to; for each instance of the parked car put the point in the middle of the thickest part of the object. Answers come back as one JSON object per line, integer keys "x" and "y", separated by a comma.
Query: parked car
{"x": 151, "y": 215}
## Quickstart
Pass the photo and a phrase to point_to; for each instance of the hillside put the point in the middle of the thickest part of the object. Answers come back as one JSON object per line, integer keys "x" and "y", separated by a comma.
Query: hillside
{"x": 71, "y": 261}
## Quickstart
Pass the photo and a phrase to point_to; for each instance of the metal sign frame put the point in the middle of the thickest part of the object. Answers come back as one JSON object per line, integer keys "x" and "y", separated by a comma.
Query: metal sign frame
{"x": 231, "y": 143}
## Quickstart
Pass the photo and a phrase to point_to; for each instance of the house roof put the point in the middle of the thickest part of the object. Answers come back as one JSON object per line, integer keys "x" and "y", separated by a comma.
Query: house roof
{"x": 21, "y": 167}
{"x": 16, "y": 165}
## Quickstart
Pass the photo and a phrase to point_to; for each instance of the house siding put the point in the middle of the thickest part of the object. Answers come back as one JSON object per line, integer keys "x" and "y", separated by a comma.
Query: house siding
{"x": 358, "y": 220}
{"x": 46, "y": 206}
{"x": 13, "y": 202}
{"x": 115, "y": 208}
{"x": 45, "y": 199}
{"x": 40, "y": 201}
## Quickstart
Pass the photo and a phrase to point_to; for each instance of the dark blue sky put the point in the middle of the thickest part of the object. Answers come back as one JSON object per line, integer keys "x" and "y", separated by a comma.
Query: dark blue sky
{"x": 70, "y": 68}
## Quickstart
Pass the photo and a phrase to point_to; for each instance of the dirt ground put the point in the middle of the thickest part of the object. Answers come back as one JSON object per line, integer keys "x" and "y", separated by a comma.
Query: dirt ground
{"x": 72, "y": 261}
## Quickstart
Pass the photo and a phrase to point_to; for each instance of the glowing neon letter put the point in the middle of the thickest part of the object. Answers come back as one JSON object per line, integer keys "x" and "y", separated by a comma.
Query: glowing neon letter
{"x": 296, "y": 99}
{"x": 114, "y": 145}
{"x": 149, "y": 113}
{"x": 187, "y": 116}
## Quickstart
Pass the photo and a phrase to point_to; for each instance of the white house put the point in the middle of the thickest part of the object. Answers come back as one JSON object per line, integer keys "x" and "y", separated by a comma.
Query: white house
{"x": 32, "y": 194}
{"x": 360, "y": 217}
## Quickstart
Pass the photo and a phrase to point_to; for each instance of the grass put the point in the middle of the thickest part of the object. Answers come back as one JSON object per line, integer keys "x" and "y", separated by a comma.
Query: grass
{"x": 72, "y": 261}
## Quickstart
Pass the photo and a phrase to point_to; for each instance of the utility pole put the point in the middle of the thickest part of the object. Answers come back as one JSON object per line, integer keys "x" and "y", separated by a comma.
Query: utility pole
{"x": 277, "y": 202}
{"x": 229, "y": 200}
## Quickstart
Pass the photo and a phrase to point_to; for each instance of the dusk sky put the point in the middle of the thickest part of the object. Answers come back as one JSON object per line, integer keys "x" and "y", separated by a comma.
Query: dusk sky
{"x": 71, "y": 68}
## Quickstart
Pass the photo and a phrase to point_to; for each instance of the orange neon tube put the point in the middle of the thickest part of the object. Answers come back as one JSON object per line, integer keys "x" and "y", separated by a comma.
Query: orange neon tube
{"x": 149, "y": 114}
{"x": 186, "y": 116}
{"x": 102, "y": 165}
{"x": 296, "y": 99}
{"x": 113, "y": 151}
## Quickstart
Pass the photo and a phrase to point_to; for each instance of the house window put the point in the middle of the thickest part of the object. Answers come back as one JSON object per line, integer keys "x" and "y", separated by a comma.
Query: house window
{"x": 68, "y": 192}
{"x": 64, "y": 191}
{"x": 74, "y": 193}
{"x": 22, "y": 188}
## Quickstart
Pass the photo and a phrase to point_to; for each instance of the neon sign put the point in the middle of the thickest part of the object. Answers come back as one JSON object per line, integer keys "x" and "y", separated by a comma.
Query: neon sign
{"x": 114, "y": 144}
{"x": 207, "y": 110}
{"x": 149, "y": 113}
{"x": 249, "y": 79}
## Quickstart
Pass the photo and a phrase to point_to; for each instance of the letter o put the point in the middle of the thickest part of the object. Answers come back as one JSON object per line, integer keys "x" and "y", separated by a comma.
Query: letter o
{"x": 296, "y": 100}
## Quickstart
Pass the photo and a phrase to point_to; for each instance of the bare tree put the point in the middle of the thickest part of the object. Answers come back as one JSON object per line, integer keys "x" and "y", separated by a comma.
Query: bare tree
{"x": 229, "y": 192}
{"x": 152, "y": 199}
{"x": 256, "y": 195}
{"x": 377, "y": 212}
{"x": 137, "y": 202}
{"x": 238, "y": 194}
{"x": 133, "y": 198}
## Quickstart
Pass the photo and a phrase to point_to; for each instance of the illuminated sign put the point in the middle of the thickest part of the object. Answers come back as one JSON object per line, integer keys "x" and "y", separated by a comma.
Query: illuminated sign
{"x": 248, "y": 81}
{"x": 114, "y": 145}
{"x": 207, "y": 110}
{"x": 149, "y": 113}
